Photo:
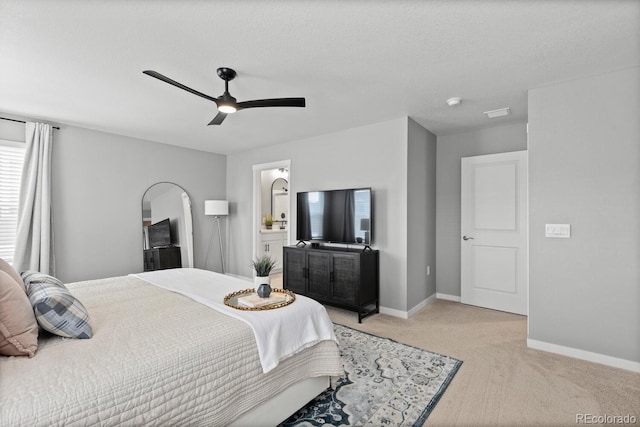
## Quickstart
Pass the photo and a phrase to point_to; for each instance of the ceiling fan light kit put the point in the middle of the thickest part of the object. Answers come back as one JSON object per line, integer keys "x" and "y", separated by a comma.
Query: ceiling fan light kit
{"x": 227, "y": 109}
{"x": 226, "y": 103}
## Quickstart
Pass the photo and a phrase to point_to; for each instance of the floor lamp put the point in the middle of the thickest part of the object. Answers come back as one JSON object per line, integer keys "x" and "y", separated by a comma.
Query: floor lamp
{"x": 217, "y": 208}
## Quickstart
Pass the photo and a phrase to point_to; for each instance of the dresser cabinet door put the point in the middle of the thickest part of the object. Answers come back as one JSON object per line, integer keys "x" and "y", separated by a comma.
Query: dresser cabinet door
{"x": 319, "y": 275}
{"x": 345, "y": 278}
{"x": 294, "y": 271}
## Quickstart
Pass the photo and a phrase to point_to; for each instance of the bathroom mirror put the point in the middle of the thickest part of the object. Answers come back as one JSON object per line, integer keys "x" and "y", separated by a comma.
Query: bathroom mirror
{"x": 280, "y": 202}
{"x": 161, "y": 202}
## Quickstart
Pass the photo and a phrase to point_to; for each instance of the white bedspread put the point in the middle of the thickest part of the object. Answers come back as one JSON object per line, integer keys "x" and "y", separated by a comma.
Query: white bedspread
{"x": 279, "y": 333}
{"x": 157, "y": 358}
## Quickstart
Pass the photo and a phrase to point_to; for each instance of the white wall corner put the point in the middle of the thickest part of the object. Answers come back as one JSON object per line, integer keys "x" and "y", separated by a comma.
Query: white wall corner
{"x": 393, "y": 312}
{"x": 584, "y": 355}
{"x": 407, "y": 314}
{"x": 422, "y": 304}
{"x": 448, "y": 297}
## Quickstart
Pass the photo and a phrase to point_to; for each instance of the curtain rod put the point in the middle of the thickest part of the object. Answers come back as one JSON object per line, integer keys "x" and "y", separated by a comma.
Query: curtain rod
{"x": 22, "y": 121}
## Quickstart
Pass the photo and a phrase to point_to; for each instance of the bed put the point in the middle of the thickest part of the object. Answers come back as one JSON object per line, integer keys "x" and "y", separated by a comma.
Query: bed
{"x": 158, "y": 357}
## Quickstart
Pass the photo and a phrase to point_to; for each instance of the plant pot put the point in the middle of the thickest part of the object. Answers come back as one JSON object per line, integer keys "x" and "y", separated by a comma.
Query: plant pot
{"x": 259, "y": 280}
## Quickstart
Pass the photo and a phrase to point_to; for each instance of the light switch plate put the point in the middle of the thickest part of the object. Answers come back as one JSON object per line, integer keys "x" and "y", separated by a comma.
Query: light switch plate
{"x": 561, "y": 231}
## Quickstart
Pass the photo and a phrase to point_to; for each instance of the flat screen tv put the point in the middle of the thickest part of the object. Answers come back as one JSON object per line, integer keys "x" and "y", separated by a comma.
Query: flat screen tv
{"x": 336, "y": 216}
{"x": 160, "y": 234}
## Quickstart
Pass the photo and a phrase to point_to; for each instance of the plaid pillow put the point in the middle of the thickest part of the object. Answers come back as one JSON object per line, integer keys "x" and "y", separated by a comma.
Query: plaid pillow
{"x": 56, "y": 309}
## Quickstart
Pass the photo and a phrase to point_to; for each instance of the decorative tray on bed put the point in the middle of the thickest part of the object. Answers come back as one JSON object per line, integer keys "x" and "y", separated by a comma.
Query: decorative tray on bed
{"x": 248, "y": 299}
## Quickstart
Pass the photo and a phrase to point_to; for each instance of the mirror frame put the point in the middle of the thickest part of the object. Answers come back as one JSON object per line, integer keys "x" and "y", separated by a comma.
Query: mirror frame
{"x": 273, "y": 198}
{"x": 187, "y": 233}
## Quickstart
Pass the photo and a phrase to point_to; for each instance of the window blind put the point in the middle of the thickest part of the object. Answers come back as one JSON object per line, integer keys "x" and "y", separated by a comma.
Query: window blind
{"x": 11, "y": 159}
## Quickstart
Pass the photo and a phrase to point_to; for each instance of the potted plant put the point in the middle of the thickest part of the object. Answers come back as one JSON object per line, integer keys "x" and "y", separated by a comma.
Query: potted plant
{"x": 263, "y": 266}
{"x": 268, "y": 222}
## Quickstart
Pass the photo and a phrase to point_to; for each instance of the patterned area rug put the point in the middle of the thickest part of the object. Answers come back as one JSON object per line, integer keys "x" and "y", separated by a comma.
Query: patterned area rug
{"x": 385, "y": 383}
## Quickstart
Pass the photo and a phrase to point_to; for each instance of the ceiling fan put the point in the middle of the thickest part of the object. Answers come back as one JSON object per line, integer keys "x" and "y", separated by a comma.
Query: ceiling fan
{"x": 226, "y": 103}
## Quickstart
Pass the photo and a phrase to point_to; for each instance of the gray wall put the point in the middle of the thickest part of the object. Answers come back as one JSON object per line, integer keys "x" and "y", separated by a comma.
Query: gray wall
{"x": 584, "y": 170}
{"x": 98, "y": 180}
{"x": 451, "y": 148}
{"x": 369, "y": 156}
{"x": 421, "y": 214}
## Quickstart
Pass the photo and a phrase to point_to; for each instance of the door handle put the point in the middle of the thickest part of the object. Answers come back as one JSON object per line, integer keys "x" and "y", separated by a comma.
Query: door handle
{"x": 467, "y": 238}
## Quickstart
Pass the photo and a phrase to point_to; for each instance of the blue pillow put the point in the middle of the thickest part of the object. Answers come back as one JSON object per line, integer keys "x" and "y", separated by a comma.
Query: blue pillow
{"x": 55, "y": 307}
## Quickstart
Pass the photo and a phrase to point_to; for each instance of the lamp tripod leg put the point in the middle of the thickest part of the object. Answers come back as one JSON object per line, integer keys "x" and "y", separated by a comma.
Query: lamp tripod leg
{"x": 220, "y": 241}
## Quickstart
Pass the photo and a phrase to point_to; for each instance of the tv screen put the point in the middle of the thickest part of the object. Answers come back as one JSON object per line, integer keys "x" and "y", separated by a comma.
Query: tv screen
{"x": 337, "y": 216}
{"x": 160, "y": 234}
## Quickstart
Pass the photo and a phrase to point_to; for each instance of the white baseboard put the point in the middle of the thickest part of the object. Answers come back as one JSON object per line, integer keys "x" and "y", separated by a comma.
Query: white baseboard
{"x": 448, "y": 297}
{"x": 421, "y": 305}
{"x": 393, "y": 312}
{"x": 407, "y": 314}
{"x": 584, "y": 355}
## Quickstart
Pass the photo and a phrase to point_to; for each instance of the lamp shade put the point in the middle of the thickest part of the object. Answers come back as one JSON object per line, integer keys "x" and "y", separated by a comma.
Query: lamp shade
{"x": 216, "y": 207}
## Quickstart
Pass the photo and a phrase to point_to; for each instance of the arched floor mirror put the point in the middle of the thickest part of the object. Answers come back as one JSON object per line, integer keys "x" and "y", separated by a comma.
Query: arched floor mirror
{"x": 167, "y": 227}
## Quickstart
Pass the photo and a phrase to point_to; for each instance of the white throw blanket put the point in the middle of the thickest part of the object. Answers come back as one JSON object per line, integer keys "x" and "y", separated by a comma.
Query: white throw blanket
{"x": 280, "y": 333}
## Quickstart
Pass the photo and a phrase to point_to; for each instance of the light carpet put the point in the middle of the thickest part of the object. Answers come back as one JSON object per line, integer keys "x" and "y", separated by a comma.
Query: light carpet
{"x": 503, "y": 382}
{"x": 385, "y": 383}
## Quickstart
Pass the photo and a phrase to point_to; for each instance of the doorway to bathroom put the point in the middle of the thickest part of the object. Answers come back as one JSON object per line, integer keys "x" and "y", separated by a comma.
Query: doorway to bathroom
{"x": 272, "y": 208}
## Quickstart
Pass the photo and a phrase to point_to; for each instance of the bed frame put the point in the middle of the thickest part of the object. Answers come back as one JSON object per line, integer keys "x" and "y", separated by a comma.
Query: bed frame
{"x": 283, "y": 405}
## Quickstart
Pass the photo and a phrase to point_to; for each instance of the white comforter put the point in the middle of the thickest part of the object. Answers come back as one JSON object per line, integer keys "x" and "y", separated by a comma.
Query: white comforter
{"x": 279, "y": 333}
{"x": 156, "y": 358}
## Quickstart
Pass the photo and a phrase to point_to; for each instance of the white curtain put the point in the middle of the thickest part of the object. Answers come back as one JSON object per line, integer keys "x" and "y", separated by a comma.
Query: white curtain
{"x": 34, "y": 240}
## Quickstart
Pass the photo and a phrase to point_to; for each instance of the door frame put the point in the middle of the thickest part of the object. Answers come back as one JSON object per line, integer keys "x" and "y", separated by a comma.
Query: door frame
{"x": 257, "y": 199}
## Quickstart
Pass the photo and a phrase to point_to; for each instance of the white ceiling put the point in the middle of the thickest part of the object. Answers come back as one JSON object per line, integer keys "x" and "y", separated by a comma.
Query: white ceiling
{"x": 357, "y": 62}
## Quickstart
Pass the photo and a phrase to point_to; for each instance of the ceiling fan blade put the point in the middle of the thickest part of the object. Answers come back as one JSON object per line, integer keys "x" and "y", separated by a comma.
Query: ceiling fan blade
{"x": 276, "y": 102}
{"x": 179, "y": 85}
{"x": 219, "y": 118}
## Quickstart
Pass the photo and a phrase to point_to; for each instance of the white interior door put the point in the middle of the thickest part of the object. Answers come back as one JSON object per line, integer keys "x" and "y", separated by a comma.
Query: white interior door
{"x": 494, "y": 260}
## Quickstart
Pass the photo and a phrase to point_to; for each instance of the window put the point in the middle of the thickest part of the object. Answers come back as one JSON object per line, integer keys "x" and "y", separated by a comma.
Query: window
{"x": 11, "y": 158}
